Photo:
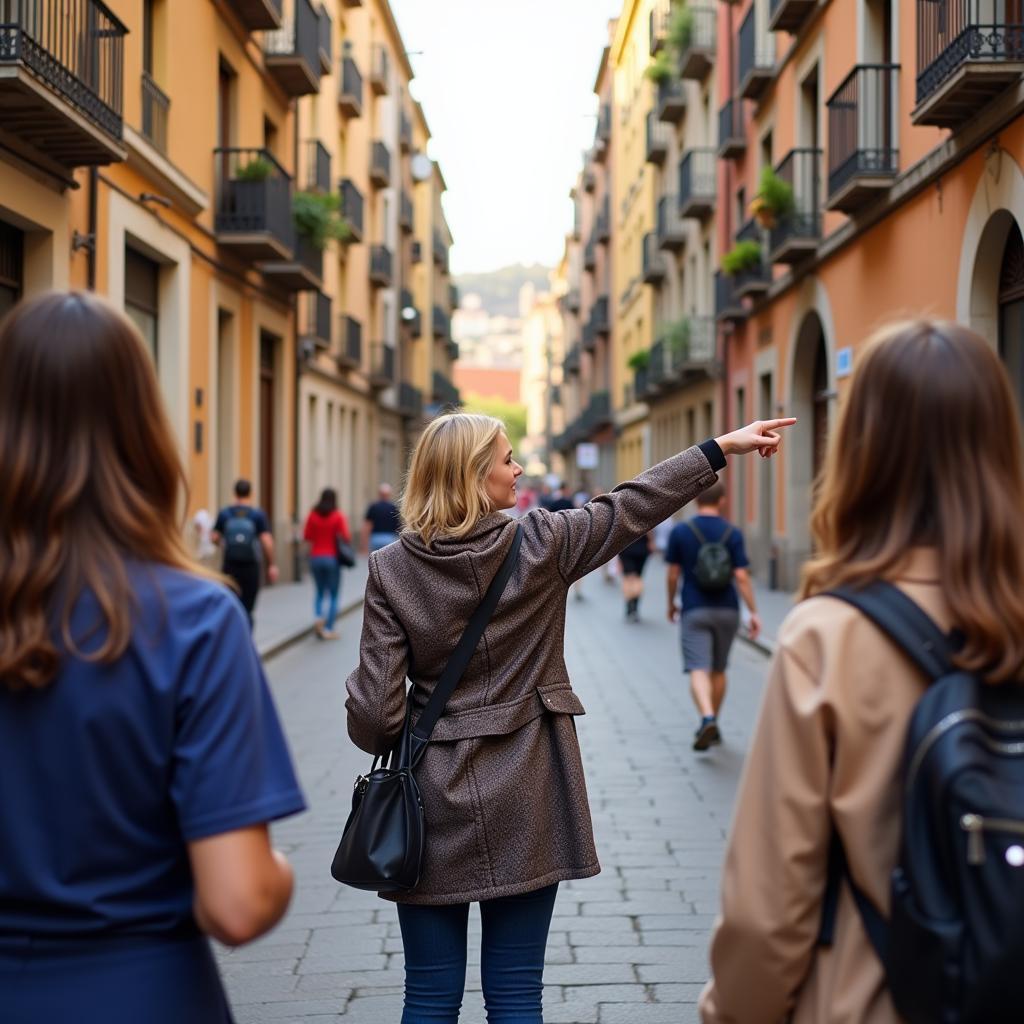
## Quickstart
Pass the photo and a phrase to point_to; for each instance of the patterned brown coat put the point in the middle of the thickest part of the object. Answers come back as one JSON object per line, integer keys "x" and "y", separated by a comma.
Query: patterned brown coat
{"x": 502, "y": 779}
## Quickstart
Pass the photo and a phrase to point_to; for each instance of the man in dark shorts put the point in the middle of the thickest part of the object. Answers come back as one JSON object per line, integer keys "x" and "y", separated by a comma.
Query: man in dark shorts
{"x": 710, "y": 612}
{"x": 243, "y": 531}
{"x": 381, "y": 522}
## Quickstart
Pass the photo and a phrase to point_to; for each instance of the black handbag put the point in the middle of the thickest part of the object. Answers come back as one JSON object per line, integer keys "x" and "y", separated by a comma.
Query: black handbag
{"x": 345, "y": 553}
{"x": 381, "y": 848}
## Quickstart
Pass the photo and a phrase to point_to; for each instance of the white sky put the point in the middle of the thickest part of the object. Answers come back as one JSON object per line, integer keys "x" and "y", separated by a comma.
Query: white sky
{"x": 507, "y": 87}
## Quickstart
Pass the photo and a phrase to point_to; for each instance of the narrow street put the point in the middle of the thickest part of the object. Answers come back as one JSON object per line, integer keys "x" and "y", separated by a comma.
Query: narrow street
{"x": 627, "y": 947}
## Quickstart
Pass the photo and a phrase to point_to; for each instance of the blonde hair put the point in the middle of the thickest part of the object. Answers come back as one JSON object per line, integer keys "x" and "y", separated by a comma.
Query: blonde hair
{"x": 928, "y": 453}
{"x": 446, "y": 488}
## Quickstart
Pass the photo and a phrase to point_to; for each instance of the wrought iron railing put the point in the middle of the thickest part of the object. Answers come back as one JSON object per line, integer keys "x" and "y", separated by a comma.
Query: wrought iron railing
{"x": 352, "y": 205}
{"x": 658, "y": 137}
{"x": 727, "y": 302}
{"x": 599, "y": 315}
{"x": 658, "y": 25}
{"x": 76, "y": 47}
{"x": 445, "y": 392}
{"x": 324, "y": 33}
{"x": 352, "y": 339}
{"x": 653, "y": 267}
{"x": 405, "y": 211}
{"x": 800, "y": 169}
{"x": 351, "y": 82}
{"x": 410, "y": 400}
{"x": 381, "y": 263}
{"x": 383, "y": 365}
{"x": 703, "y": 30}
{"x": 757, "y": 48}
{"x": 155, "y": 107}
{"x": 441, "y": 323}
{"x": 380, "y": 160}
{"x": 316, "y": 322}
{"x": 253, "y": 194}
{"x": 730, "y": 121}
{"x": 298, "y": 37}
{"x": 698, "y": 176}
{"x": 318, "y": 166}
{"x": 379, "y": 66}
{"x": 862, "y": 125}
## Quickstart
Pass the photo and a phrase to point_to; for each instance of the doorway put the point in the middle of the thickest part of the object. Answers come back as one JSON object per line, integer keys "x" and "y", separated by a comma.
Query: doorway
{"x": 226, "y": 406}
{"x": 268, "y": 394}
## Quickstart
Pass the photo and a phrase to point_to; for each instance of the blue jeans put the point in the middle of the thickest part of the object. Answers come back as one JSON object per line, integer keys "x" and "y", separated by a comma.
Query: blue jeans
{"x": 327, "y": 577}
{"x": 381, "y": 540}
{"x": 515, "y": 933}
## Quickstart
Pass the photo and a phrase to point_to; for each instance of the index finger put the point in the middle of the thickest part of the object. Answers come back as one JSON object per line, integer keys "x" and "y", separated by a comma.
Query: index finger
{"x": 776, "y": 424}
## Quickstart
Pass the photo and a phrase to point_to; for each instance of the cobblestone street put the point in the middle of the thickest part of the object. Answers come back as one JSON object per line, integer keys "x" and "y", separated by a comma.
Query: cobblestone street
{"x": 627, "y": 947}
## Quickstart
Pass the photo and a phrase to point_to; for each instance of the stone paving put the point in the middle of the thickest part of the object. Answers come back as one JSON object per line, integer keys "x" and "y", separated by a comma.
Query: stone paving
{"x": 626, "y": 947}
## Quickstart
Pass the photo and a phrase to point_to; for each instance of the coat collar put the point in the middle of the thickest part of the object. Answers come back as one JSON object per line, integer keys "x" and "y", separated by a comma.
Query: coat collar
{"x": 485, "y": 535}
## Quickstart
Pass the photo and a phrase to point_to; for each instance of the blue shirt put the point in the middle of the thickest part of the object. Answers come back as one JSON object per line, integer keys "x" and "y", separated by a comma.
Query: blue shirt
{"x": 108, "y": 772}
{"x": 682, "y": 551}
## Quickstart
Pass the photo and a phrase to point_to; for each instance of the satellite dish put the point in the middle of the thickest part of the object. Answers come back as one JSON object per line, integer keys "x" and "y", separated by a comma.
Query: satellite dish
{"x": 422, "y": 167}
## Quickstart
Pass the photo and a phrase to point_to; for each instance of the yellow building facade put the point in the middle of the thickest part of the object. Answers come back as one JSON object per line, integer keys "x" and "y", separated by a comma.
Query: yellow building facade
{"x": 182, "y": 189}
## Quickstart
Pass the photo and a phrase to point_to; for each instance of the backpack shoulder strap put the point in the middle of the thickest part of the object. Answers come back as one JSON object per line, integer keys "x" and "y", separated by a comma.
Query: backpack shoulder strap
{"x": 695, "y": 530}
{"x": 457, "y": 663}
{"x": 875, "y": 925}
{"x": 904, "y": 622}
{"x": 728, "y": 533}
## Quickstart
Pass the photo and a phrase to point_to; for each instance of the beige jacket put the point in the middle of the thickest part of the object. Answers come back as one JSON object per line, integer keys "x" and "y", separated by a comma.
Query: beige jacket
{"x": 502, "y": 779}
{"x": 827, "y": 749}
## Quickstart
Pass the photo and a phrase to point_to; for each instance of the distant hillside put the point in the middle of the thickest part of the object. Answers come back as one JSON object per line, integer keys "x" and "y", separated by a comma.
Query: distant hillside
{"x": 499, "y": 290}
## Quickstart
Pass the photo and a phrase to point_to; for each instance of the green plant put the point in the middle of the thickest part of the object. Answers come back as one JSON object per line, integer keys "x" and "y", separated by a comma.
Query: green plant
{"x": 744, "y": 255}
{"x": 776, "y": 193}
{"x": 317, "y": 218}
{"x": 639, "y": 360}
{"x": 257, "y": 169}
{"x": 680, "y": 29}
{"x": 660, "y": 69}
{"x": 677, "y": 338}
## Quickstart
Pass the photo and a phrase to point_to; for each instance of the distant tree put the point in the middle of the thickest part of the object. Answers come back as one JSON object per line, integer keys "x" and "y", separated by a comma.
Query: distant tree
{"x": 512, "y": 414}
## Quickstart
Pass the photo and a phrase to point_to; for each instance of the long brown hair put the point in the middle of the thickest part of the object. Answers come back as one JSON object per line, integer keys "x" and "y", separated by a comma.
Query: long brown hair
{"x": 928, "y": 453}
{"x": 89, "y": 477}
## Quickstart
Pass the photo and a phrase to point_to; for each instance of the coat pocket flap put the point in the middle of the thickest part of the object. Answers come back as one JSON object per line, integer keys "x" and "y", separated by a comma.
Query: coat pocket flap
{"x": 491, "y": 720}
{"x": 561, "y": 699}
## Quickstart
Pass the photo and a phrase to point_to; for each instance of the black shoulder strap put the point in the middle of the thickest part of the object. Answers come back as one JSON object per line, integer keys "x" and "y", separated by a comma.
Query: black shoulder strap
{"x": 904, "y": 622}
{"x": 466, "y": 646}
{"x": 695, "y": 531}
{"x": 876, "y": 926}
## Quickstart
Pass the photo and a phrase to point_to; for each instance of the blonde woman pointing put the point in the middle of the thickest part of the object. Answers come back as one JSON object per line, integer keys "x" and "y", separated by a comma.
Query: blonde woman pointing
{"x": 502, "y": 779}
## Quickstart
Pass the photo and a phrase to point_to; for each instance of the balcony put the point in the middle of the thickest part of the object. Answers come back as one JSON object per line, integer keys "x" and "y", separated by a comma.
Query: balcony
{"x": 588, "y": 337}
{"x": 416, "y": 252}
{"x": 697, "y": 56}
{"x": 671, "y": 103}
{"x": 318, "y": 166}
{"x": 291, "y": 54}
{"x": 410, "y": 401}
{"x": 452, "y": 349}
{"x": 757, "y": 58}
{"x": 603, "y": 133}
{"x": 684, "y": 354}
{"x": 445, "y": 393}
{"x": 572, "y": 360}
{"x": 671, "y": 227}
{"x": 302, "y": 271}
{"x": 156, "y": 106}
{"x": 789, "y": 15}
{"x": 257, "y": 14}
{"x": 658, "y": 26}
{"x": 315, "y": 320}
{"x": 411, "y": 316}
{"x": 796, "y": 235}
{"x": 382, "y": 365}
{"x": 732, "y": 141}
{"x": 590, "y": 255}
{"x": 352, "y": 207}
{"x": 453, "y": 296}
{"x": 589, "y": 179}
{"x": 351, "y": 355}
{"x": 753, "y": 282}
{"x": 405, "y": 133}
{"x": 441, "y": 325}
{"x": 967, "y": 53}
{"x": 863, "y": 160}
{"x": 253, "y": 212}
{"x": 380, "y": 164}
{"x": 603, "y": 225}
{"x": 381, "y": 271}
{"x": 350, "y": 89}
{"x": 658, "y": 135}
{"x": 698, "y": 184}
{"x": 571, "y": 301}
{"x": 653, "y": 264}
{"x": 728, "y": 305}
{"x": 61, "y": 95}
{"x": 324, "y": 40}
{"x": 440, "y": 250}
{"x": 405, "y": 213}
{"x": 380, "y": 66}
{"x": 597, "y": 415}
{"x": 599, "y": 316}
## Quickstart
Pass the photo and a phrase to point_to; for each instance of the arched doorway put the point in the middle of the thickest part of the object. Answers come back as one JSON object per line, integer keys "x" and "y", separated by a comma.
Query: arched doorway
{"x": 810, "y": 395}
{"x": 1011, "y": 311}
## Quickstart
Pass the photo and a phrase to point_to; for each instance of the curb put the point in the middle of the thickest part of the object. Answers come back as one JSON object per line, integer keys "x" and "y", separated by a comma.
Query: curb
{"x": 279, "y": 645}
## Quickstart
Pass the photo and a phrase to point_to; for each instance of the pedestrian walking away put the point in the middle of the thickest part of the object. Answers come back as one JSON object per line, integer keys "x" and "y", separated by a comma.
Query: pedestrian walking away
{"x": 243, "y": 531}
{"x": 708, "y": 553}
{"x": 503, "y": 790}
{"x": 632, "y": 561}
{"x": 141, "y": 756}
{"x": 325, "y": 526}
{"x": 382, "y": 522}
{"x": 874, "y": 858}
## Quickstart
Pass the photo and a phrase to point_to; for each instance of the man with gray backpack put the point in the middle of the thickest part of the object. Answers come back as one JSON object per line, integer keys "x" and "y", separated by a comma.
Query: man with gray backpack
{"x": 708, "y": 553}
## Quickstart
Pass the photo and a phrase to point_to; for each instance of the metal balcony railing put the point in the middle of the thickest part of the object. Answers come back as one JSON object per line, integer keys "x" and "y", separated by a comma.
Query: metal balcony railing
{"x": 253, "y": 194}
{"x": 405, "y": 212}
{"x": 597, "y": 414}
{"x": 789, "y": 15}
{"x": 728, "y": 305}
{"x": 381, "y": 270}
{"x": 351, "y": 354}
{"x": 85, "y": 66}
{"x": 258, "y": 14}
{"x": 453, "y": 296}
{"x": 325, "y": 30}
{"x": 382, "y": 365}
{"x": 757, "y": 57}
{"x": 445, "y": 392}
{"x": 405, "y": 132}
{"x": 352, "y": 207}
{"x": 798, "y": 232}
{"x": 410, "y": 400}
{"x": 440, "y": 249}
{"x": 350, "y": 89}
{"x": 572, "y": 359}
{"x": 754, "y": 280}
{"x": 316, "y": 319}
{"x": 862, "y": 126}
{"x": 590, "y": 255}
{"x": 155, "y": 107}
{"x": 698, "y": 182}
{"x": 292, "y": 52}
{"x": 672, "y": 230}
{"x": 731, "y": 140}
{"x": 671, "y": 100}
{"x": 318, "y": 166}
{"x": 653, "y": 266}
{"x": 380, "y": 67}
{"x": 658, "y": 136}
{"x": 440, "y": 322}
{"x": 658, "y": 26}
{"x": 380, "y": 163}
{"x": 698, "y": 54}
{"x": 599, "y": 315}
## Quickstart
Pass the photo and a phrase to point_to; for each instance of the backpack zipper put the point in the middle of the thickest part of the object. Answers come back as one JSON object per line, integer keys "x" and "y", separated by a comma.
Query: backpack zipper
{"x": 975, "y": 825}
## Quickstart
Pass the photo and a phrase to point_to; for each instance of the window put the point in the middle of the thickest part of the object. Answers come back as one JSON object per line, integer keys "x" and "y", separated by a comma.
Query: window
{"x": 270, "y": 136}
{"x": 11, "y": 264}
{"x": 141, "y": 291}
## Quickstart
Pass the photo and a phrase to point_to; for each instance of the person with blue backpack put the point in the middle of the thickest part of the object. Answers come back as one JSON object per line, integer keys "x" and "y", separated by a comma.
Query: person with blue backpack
{"x": 875, "y": 868}
{"x": 243, "y": 530}
{"x": 708, "y": 554}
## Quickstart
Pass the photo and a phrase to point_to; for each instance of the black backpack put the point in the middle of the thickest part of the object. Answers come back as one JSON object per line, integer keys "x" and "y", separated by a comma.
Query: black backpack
{"x": 240, "y": 537}
{"x": 713, "y": 570}
{"x": 953, "y": 947}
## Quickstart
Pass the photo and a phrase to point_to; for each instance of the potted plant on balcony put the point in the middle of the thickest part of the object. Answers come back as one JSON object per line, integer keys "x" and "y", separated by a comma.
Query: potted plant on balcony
{"x": 256, "y": 169}
{"x": 639, "y": 360}
{"x": 677, "y": 338}
{"x": 773, "y": 201}
{"x": 317, "y": 218}
{"x": 660, "y": 69}
{"x": 743, "y": 256}
{"x": 680, "y": 29}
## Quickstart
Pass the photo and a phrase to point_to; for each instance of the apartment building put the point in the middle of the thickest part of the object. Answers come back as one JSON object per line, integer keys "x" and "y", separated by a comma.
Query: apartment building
{"x": 882, "y": 146}
{"x": 200, "y": 196}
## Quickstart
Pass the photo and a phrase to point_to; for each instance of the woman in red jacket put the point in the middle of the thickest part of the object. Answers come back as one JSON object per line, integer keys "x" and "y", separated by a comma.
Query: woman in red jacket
{"x": 324, "y": 525}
